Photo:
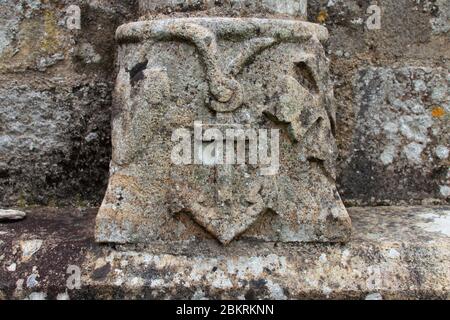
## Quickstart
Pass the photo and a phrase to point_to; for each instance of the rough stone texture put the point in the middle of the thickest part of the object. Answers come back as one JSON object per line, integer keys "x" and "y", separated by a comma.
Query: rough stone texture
{"x": 57, "y": 138}
{"x": 55, "y": 101}
{"x": 409, "y": 40}
{"x": 250, "y": 73}
{"x": 36, "y": 48}
{"x": 401, "y": 140}
{"x": 224, "y": 8}
{"x": 61, "y": 81}
{"x": 395, "y": 253}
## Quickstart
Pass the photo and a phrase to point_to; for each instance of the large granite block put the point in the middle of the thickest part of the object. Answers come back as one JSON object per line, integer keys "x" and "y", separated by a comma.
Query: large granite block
{"x": 401, "y": 140}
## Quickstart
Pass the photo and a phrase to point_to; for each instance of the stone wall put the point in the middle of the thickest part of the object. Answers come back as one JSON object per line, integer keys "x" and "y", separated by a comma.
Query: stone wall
{"x": 55, "y": 100}
{"x": 391, "y": 88}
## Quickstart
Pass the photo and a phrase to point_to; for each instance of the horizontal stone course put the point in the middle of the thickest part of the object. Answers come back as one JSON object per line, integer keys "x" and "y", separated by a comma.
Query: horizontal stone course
{"x": 395, "y": 253}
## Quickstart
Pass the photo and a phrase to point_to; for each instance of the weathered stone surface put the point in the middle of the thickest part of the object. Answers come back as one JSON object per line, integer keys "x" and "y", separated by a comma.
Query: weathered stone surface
{"x": 224, "y": 72}
{"x": 46, "y": 132}
{"x": 407, "y": 32}
{"x": 441, "y": 22}
{"x": 225, "y": 8}
{"x": 55, "y": 100}
{"x": 401, "y": 140}
{"x": 407, "y": 38}
{"x": 36, "y": 47}
{"x": 11, "y": 215}
{"x": 395, "y": 253}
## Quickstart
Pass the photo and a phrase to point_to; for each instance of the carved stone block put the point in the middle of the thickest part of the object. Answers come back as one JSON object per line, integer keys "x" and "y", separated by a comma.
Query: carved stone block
{"x": 207, "y": 78}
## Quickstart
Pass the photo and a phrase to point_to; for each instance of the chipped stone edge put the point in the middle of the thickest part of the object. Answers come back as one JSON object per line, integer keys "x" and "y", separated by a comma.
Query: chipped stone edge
{"x": 283, "y": 30}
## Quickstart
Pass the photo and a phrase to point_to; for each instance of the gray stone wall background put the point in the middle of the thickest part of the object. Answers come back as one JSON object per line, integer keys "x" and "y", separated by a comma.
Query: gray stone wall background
{"x": 391, "y": 88}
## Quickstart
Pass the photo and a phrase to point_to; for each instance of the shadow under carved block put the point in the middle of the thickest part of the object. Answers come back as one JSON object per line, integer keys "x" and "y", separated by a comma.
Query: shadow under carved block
{"x": 265, "y": 78}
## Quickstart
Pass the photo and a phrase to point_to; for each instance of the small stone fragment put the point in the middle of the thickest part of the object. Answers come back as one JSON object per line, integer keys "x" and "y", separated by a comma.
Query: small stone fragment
{"x": 63, "y": 296}
{"x": 11, "y": 215}
{"x": 29, "y": 248}
{"x": 442, "y": 152}
{"x": 374, "y": 296}
{"x": 37, "y": 296}
{"x": 12, "y": 267}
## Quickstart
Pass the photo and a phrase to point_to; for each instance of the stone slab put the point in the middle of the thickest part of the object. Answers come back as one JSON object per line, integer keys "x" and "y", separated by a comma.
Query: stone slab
{"x": 11, "y": 215}
{"x": 395, "y": 253}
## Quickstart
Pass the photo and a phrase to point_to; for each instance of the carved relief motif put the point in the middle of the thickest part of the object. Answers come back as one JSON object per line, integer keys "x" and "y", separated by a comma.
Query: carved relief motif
{"x": 246, "y": 73}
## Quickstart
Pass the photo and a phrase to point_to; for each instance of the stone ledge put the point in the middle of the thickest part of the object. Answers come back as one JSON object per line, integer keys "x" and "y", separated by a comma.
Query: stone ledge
{"x": 395, "y": 253}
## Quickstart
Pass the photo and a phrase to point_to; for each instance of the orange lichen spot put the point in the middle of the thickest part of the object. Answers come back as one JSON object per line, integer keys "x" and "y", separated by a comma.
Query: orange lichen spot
{"x": 322, "y": 16}
{"x": 438, "y": 112}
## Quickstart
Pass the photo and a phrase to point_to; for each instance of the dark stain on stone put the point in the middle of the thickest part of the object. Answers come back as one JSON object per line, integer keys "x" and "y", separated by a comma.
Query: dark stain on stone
{"x": 257, "y": 289}
{"x": 371, "y": 183}
{"x": 267, "y": 270}
{"x": 305, "y": 76}
{"x": 137, "y": 72}
{"x": 305, "y": 117}
{"x": 258, "y": 284}
{"x": 102, "y": 272}
{"x": 68, "y": 234}
{"x": 250, "y": 295}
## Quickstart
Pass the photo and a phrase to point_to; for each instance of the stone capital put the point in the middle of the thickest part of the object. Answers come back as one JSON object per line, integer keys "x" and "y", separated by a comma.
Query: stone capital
{"x": 175, "y": 182}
